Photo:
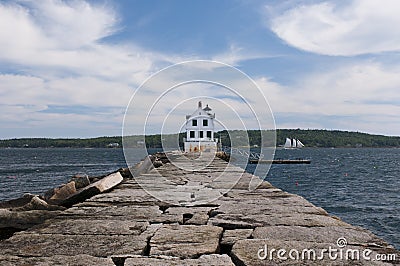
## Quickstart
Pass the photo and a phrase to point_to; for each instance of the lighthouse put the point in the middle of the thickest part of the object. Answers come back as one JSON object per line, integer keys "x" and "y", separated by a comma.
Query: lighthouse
{"x": 200, "y": 131}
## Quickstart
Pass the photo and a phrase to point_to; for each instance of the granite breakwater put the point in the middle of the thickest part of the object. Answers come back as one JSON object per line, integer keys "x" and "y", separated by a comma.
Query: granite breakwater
{"x": 112, "y": 220}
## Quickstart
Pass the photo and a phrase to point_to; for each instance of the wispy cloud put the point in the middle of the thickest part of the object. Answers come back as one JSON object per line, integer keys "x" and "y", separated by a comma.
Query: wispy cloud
{"x": 236, "y": 54}
{"x": 341, "y": 28}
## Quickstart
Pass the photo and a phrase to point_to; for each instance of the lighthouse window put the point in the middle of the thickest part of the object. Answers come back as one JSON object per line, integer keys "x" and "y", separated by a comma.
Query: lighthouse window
{"x": 194, "y": 122}
{"x": 205, "y": 123}
{"x": 191, "y": 134}
{"x": 209, "y": 134}
{"x": 201, "y": 134}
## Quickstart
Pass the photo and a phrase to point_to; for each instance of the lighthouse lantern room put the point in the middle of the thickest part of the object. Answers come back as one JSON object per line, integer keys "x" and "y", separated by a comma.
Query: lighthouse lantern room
{"x": 200, "y": 131}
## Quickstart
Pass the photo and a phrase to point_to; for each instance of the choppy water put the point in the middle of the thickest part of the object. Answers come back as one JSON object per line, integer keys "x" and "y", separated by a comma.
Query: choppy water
{"x": 362, "y": 186}
{"x": 37, "y": 170}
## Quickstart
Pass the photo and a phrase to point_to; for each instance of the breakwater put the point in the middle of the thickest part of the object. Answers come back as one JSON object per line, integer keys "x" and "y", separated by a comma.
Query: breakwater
{"x": 125, "y": 225}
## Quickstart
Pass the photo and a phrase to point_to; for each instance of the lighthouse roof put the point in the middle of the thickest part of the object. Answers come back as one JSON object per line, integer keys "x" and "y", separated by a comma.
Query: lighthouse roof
{"x": 201, "y": 112}
{"x": 207, "y": 109}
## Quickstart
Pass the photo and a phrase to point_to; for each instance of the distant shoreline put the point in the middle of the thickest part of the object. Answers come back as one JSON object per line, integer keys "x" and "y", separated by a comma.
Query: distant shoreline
{"x": 311, "y": 138}
{"x": 120, "y": 148}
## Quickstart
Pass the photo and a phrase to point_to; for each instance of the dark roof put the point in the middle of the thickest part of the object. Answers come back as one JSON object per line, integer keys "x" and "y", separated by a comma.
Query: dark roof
{"x": 207, "y": 108}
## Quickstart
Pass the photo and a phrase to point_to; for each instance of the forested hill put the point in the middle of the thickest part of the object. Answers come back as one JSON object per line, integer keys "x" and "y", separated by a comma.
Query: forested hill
{"x": 336, "y": 138}
{"x": 311, "y": 138}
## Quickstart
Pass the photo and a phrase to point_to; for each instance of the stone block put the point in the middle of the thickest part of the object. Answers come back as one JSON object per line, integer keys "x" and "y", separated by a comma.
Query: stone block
{"x": 185, "y": 241}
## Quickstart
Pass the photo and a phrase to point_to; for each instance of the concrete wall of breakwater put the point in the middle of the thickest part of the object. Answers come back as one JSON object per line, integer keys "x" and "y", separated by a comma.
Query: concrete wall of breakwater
{"x": 127, "y": 226}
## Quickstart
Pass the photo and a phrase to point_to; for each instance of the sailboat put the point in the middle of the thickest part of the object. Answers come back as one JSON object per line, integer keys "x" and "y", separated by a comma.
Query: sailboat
{"x": 293, "y": 144}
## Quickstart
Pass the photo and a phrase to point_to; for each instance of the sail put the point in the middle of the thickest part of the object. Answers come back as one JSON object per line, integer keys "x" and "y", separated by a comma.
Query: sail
{"x": 288, "y": 143}
{"x": 293, "y": 143}
{"x": 299, "y": 144}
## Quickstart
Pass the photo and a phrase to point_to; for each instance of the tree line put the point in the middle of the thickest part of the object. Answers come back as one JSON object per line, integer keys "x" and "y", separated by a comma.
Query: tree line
{"x": 310, "y": 138}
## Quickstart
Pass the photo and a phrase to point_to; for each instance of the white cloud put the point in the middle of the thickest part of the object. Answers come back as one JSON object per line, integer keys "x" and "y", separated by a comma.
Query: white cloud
{"x": 341, "y": 28}
{"x": 360, "y": 96}
{"x": 64, "y": 61}
{"x": 74, "y": 24}
{"x": 54, "y": 37}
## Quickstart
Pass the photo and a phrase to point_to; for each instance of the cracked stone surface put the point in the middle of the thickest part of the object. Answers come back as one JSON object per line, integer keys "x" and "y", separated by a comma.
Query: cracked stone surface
{"x": 185, "y": 241}
{"x": 231, "y": 236}
{"x": 204, "y": 260}
{"x": 59, "y": 244}
{"x": 57, "y": 260}
{"x": 212, "y": 211}
{"x": 252, "y": 252}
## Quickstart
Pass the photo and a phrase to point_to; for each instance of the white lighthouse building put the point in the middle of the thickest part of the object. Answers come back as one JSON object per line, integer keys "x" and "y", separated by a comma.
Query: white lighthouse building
{"x": 200, "y": 131}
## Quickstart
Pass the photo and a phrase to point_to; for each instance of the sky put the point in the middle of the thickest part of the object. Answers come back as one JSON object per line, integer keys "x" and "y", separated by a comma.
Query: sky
{"x": 70, "y": 68}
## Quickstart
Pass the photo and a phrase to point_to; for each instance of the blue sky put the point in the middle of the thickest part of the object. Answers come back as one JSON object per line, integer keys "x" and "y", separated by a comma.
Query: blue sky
{"x": 69, "y": 68}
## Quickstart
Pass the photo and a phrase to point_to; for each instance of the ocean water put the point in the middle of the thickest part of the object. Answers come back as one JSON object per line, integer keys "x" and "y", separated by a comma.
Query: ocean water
{"x": 38, "y": 170}
{"x": 361, "y": 186}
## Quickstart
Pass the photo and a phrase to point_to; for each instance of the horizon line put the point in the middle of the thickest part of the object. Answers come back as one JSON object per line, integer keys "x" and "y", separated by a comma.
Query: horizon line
{"x": 140, "y": 135}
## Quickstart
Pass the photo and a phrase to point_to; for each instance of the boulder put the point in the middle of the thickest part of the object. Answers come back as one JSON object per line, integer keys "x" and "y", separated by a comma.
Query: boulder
{"x": 24, "y": 219}
{"x": 125, "y": 172}
{"x": 144, "y": 166}
{"x": 81, "y": 181}
{"x": 157, "y": 164}
{"x": 104, "y": 184}
{"x": 61, "y": 193}
{"x": 15, "y": 203}
{"x": 38, "y": 204}
{"x": 162, "y": 157}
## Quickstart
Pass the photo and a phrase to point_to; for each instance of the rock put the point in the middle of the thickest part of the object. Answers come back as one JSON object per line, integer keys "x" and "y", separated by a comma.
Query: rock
{"x": 81, "y": 181}
{"x": 252, "y": 252}
{"x": 162, "y": 156}
{"x": 231, "y": 236}
{"x": 190, "y": 215}
{"x": 48, "y": 194}
{"x": 24, "y": 219}
{"x": 125, "y": 172}
{"x": 125, "y": 196}
{"x": 104, "y": 184}
{"x": 266, "y": 207}
{"x": 223, "y": 155}
{"x": 94, "y": 226}
{"x": 235, "y": 221}
{"x": 157, "y": 164}
{"x": 58, "y": 260}
{"x": 328, "y": 234}
{"x": 15, "y": 203}
{"x": 63, "y": 192}
{"x": 185, "y": 241}
{"x": 144, "y": 166}
{"x": 38, "y": 204}
{"x": 204, "y": 260}
{"x": 131, "y": 212}
{"x": 44, "y": 245}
